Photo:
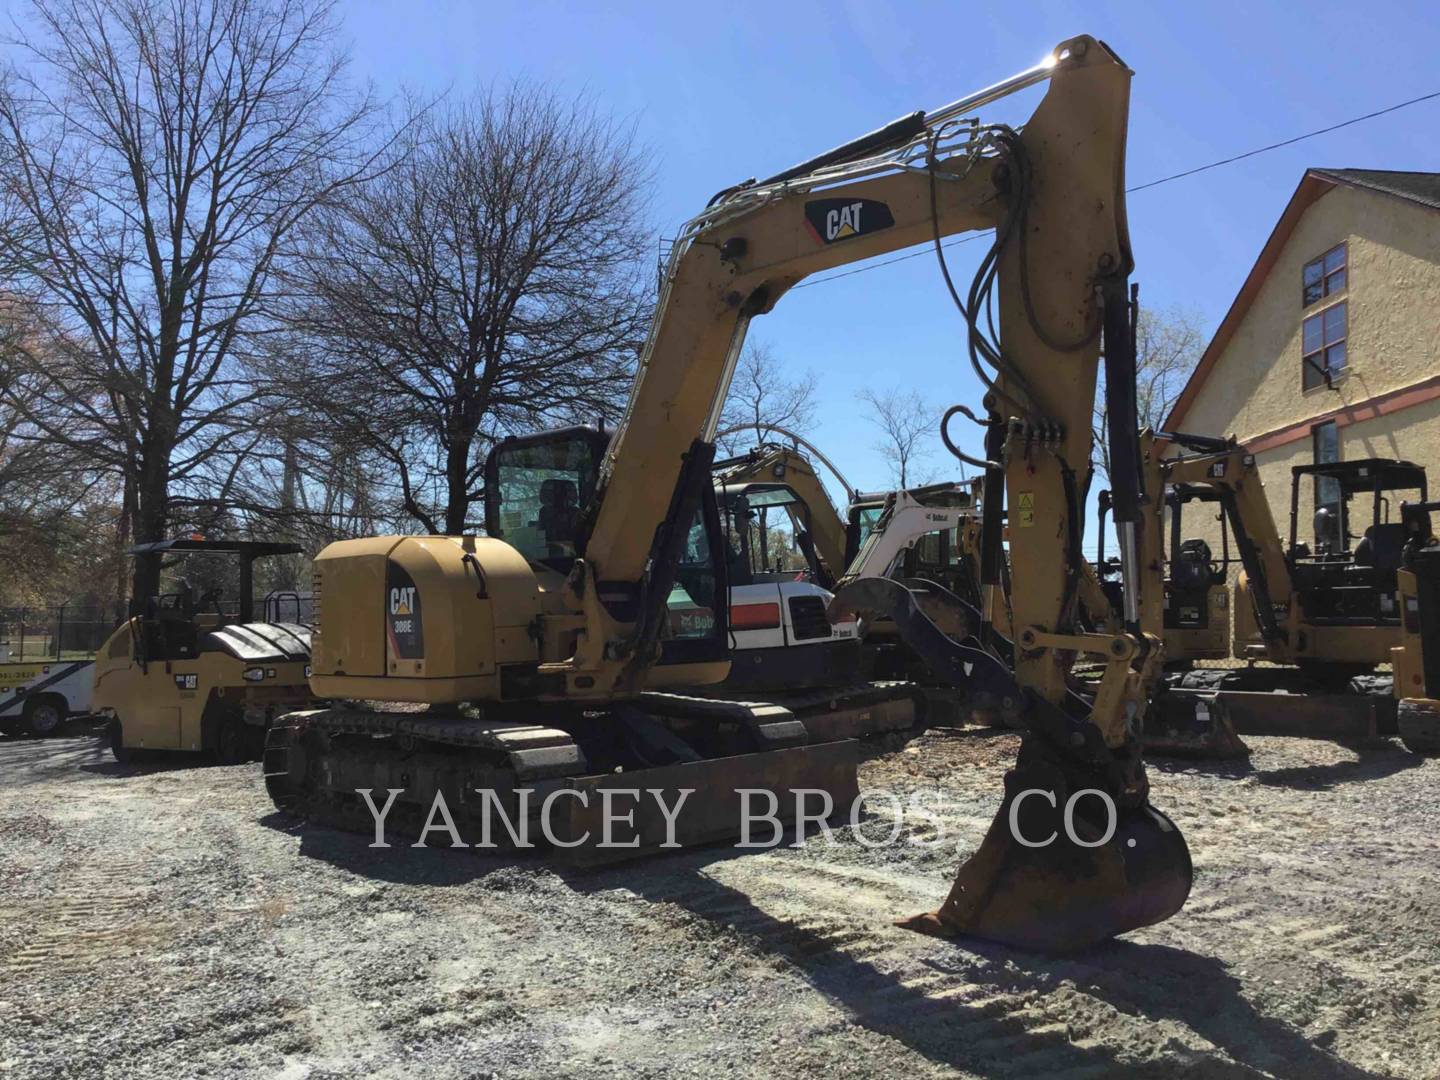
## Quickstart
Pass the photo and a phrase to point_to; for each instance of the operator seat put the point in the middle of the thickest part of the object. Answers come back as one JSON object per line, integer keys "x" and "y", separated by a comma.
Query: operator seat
{"x": 1382, "y": 546}
{"x": 559, "y": 512}
{"x": 1192, "y": 568}
{"x": 1328, "y": 540}
{"x": 170, "y": 624}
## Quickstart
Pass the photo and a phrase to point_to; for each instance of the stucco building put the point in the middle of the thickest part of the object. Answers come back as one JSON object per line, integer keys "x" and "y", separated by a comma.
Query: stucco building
{"x": 1331, "y": 350}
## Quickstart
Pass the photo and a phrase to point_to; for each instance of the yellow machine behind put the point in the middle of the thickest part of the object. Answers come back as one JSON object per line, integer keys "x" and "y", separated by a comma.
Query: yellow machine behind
{"x": 186, "y": 675}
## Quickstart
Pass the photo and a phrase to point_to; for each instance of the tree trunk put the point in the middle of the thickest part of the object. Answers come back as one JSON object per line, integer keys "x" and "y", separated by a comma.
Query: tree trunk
{"x": 122, "y": 539}
{"x": 151, "y": 520}
{"x": 457, "y": 494}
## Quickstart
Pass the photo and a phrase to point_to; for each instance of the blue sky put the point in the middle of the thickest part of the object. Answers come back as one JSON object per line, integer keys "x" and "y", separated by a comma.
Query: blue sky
{"x": 720, "y": 93}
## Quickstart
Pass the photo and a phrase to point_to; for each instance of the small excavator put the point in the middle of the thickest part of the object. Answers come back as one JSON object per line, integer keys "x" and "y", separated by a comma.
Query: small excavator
{"x": 779, "y": 591}
{"x": 536, "y": 663}
{"x": 908, "y": 535}
{"x": 1323, "y": 620}
{"x": 814, "y": 523}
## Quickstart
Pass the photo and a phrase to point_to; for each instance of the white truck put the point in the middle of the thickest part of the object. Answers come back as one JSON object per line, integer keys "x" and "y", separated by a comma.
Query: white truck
{"x": 36, "y": 696}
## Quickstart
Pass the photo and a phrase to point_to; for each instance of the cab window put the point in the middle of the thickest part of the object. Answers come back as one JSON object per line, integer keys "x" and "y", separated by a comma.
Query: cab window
{"x": 542, "y": 490}
{"x": 691, "y": 602}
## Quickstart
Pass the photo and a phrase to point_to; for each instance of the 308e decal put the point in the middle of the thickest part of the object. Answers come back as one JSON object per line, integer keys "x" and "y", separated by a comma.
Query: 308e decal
{"x": 402, "y": 615}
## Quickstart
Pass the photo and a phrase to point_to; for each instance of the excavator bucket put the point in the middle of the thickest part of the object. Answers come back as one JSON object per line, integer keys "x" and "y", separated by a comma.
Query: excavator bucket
{"x": 1056, "y": 882}
{"x": 1185, "y": 723}
{"x": 1064, "y": 865}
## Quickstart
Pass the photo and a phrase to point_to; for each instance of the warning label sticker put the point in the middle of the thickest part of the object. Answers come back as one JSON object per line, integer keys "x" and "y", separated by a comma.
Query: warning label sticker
{"x": 1025, "y": 509}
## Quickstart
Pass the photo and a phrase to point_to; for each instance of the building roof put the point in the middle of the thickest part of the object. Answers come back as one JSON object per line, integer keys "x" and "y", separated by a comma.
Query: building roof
{"x": 1422, "y": 188}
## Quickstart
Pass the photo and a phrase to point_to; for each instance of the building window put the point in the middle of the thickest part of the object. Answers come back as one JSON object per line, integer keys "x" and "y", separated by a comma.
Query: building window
{"x": 1322, "y": 345}
{"x": 1325, "y": 449}
{"x": 1324, "y": 276}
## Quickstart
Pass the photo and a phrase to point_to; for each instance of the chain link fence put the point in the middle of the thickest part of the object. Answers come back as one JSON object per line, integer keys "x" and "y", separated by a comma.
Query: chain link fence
{"x": 76, "y": 631}
{"x": 69, "y": 631}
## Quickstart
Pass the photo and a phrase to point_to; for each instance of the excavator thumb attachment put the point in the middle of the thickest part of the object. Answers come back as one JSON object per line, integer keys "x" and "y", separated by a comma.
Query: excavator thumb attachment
{"x": 941, "y": 628}
{"x": 1192, "y": 724}
{"x": 1063, "y": 867}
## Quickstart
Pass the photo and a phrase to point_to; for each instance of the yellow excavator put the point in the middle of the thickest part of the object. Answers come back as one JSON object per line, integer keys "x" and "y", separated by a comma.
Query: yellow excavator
{"x": 1187, "y": 598}
{"x": 813, "y": 520}
{"x": 539, "y": 652}
{"x": 1415, "y": 661}
{"x": 1323, "y": 620}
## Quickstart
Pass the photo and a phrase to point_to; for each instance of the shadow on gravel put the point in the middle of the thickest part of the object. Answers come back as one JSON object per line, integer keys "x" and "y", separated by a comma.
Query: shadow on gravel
{"x": 1225, "y": 769}
{"x": 161, "y": 762}
{"x": 398, "y": 864}
{"x": 992, "y": 1036}
{"x": 1166, "y": 983}
{"x": 1371, "y": 763}
{"x": 22, "y": 757}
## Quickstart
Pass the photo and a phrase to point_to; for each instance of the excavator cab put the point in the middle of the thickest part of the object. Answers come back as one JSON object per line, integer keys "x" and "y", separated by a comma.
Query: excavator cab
{"x": 539, "y": 498}
{"x": 750, "y": 515}
{"x": 536, "y": 487}
{"x": 1196, "y": 597}
{"x": 861, "y": 516}
{"x": 1349, "y": 578}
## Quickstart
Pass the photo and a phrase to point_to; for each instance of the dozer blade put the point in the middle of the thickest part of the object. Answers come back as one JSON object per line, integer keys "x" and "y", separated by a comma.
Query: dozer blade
{"x": 1034, "y": 884}
{"x": 1188, "y": 723}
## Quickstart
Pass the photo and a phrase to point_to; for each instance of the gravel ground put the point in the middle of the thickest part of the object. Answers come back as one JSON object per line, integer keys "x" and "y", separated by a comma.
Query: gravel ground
{"x": 160, "y": 922}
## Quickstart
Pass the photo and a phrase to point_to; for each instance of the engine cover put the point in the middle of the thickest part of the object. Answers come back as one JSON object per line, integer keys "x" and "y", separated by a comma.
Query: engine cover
{"x": 427, "y": 619}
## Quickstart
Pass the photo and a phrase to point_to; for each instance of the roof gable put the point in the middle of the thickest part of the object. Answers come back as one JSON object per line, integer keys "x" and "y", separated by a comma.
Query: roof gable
{"x": 1420, "y": 187}
{"x": 1416, "y": 187}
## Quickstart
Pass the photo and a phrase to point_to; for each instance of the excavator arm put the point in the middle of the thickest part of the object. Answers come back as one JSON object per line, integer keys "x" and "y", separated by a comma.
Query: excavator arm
{"x": 1054, "y": 195}
{"x": 1231, "y": 471}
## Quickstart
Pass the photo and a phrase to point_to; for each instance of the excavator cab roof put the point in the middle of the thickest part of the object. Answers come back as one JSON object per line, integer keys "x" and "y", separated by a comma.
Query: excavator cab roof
{"x": 947, "y": 493}
{"x": 779, "y": 493}
{"x": 1368, "y": 474}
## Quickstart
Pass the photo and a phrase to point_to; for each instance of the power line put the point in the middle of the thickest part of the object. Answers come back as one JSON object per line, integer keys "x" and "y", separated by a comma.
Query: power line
{"x": 1286, "y": 142}
{"x": 888, "y": 262}
{"x": 1151, "y": 183}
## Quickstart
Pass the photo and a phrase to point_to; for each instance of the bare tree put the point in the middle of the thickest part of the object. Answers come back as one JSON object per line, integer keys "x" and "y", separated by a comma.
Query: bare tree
{"x": 161, "y": 153}
{"x": 905, "y": 423}
{"x": 56, "y": 509}
{"x": 491, "y": 281}
{"x": 760, "y": 395}
{"x": 1168, "y": 344}
{"x": 33, "y": 481}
